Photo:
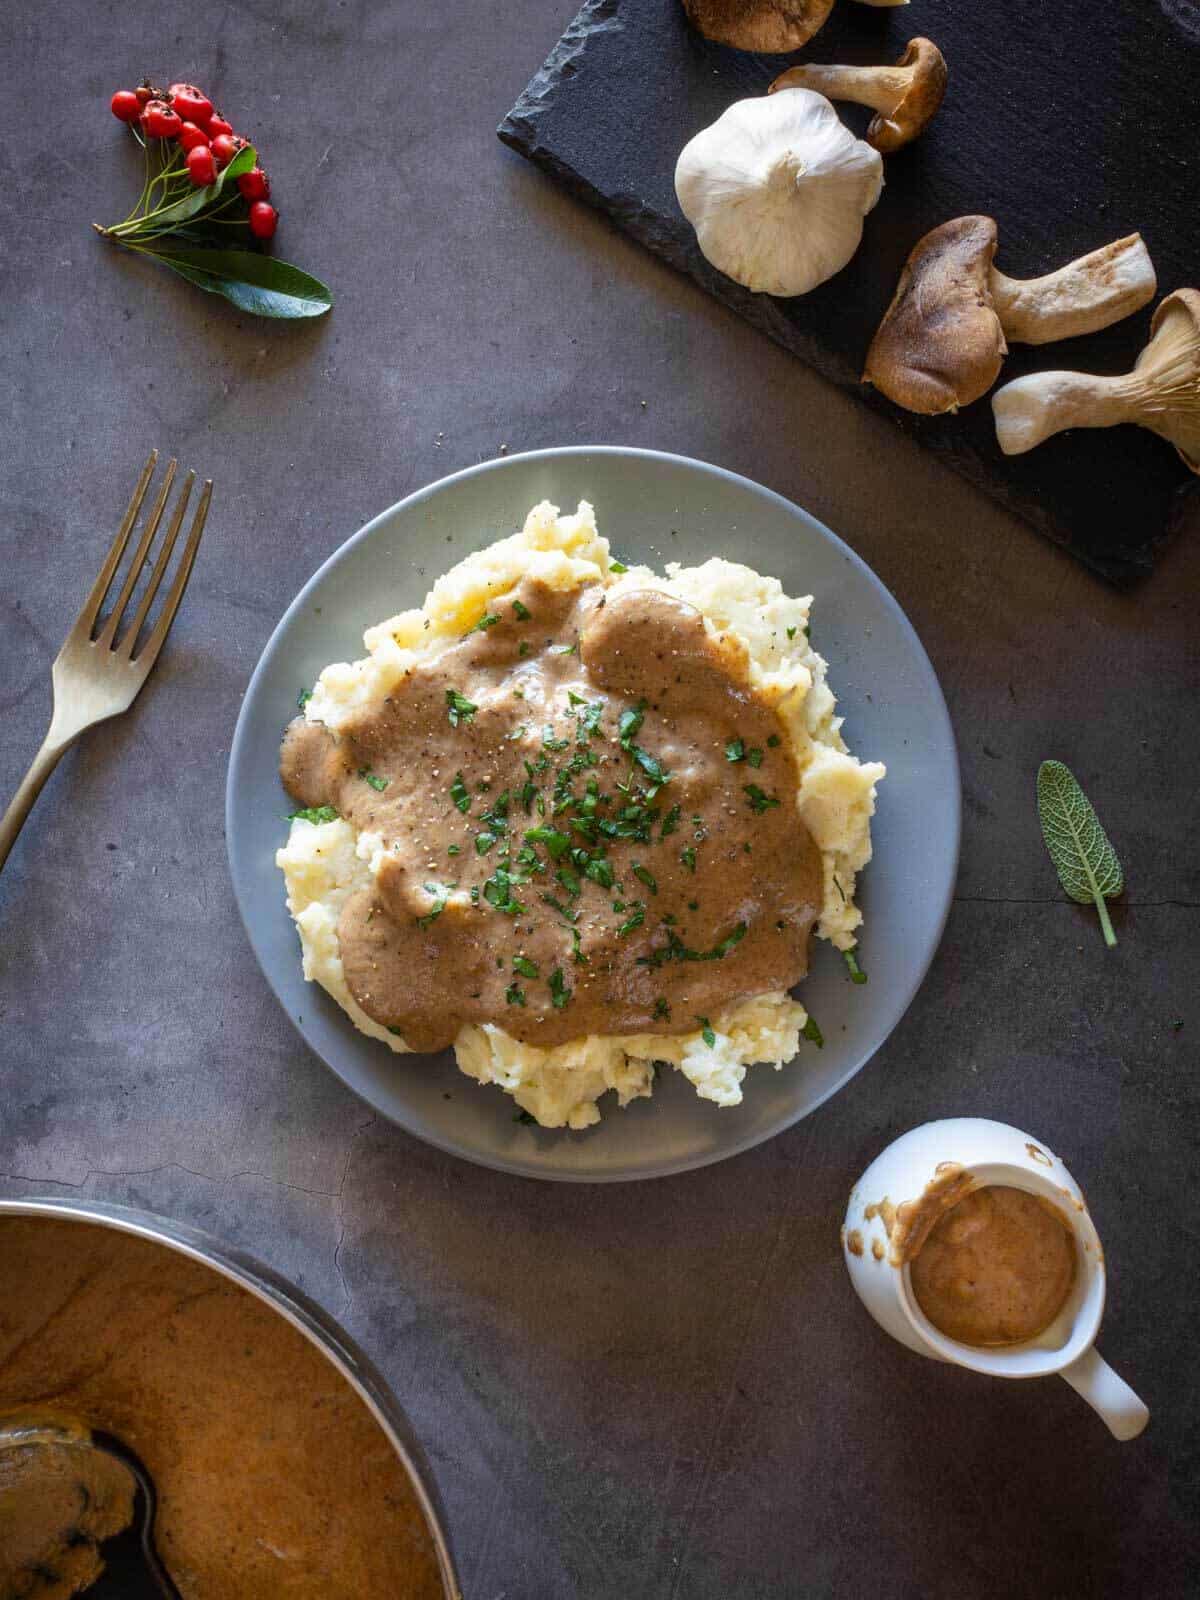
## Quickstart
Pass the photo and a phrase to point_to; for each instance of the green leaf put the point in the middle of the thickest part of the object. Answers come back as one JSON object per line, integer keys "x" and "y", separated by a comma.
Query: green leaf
{"x": 259, "y": 284}
{"x": 314, "y": 814}
{"x": 460, "y": 709}
{"x": 706, "y": 1032}
{"x": 184, "y": 210}
{"x": 1085, "y": 861}
{"x": 811, "y": 1032}
{"x": 857, "y": 975}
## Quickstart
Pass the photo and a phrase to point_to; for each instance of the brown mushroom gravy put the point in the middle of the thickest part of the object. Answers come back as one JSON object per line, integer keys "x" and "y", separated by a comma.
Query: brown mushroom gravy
{"x": 995, "y": 1268}
{"x": 273, "y": 1478}
{"x": 588, "y": 825}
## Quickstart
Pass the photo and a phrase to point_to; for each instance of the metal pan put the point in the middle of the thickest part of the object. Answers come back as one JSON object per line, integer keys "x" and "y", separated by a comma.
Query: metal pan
{"x": 283, "y": 1297}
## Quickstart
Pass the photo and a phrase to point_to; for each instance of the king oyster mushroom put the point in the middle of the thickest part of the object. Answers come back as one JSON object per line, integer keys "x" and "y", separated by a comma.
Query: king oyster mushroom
{"x": 777, "y": 189}
{"x": 1162, "y": 392}
{"x": 773, "y": 26}
{"x": 904, "y": 97}
{"x": 943, "y": 338}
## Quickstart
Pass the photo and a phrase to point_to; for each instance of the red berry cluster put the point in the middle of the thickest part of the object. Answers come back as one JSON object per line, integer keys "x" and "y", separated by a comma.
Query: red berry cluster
{"x": 185, "y": 114}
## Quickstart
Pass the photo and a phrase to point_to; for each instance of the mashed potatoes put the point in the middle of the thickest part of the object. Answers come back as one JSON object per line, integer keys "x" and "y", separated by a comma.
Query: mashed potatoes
{"x": 325, "y": 862}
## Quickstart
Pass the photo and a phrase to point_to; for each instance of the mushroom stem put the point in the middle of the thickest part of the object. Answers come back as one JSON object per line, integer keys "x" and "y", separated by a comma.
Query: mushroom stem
{"x": 881, "y": 88}
{"x": 903, "y": 97}
{"x": 1162, "y": 393}
{"x": 1088, "y": 294}
{"x": 1031, "y": 409}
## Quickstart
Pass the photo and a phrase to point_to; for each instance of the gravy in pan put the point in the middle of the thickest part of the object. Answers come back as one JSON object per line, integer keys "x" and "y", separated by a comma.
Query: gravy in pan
{"x": 273, "y": 1478}
{"x": 588, "y": 824}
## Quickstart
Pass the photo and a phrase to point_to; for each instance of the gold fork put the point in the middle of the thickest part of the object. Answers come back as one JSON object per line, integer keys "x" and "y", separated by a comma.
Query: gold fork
{"x": 97, "y": 678}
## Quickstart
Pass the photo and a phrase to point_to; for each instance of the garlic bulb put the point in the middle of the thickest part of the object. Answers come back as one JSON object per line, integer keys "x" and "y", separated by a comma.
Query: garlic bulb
{"x": 777, "y": 189}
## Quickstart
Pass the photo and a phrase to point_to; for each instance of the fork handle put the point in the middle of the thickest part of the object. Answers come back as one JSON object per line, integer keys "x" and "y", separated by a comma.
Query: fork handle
{"x": 44, "y": 764}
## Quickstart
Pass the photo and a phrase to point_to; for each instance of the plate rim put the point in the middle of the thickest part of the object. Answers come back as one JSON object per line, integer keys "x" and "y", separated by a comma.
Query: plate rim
{"x": 514, "y": 1166}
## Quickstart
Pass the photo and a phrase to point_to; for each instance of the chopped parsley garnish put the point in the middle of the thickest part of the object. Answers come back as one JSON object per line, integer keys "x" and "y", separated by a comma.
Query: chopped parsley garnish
{"x": 515, "y": 996}
{"x": 857, "y": 975}
{"x": 313, "y": 814}
{"x": 757, "y": 800}
{"x": 483, "y": 843}
{"x": 630, "y": 721}
{"x": 706, "y": 1032}
{"x": 649, "y": 764}
{"x": 521, "y": 611}
{"x": 754, "y": 757}
{"x": 459, "y": 708}
{"x": 396, "y": 1031}
{"x": 617, "y": 566}
{"x": 567, "y": 649}
{"x": 569, "y": 881}
{"x": 670, "y": 822}
{"x": 549, "y": 742}
{"x": 644, "y": 875}
{"x": 734, "y": 750}
{"x": 557, "y": 905}
{"x": 454, "y": 849}
{"x": 486, "y": 621}
{"x": 688, "y": 857}
{"x": 791, "y": 633}
{"x": 458, "y": 793}
{"x": 574, "y": 699}
{"x": 523, "y": 648}
{"x": 559, "y": 993}
{"x": 555, "y": 842}
{"x": 634, "y": 920}
{"x": 525, "y": 967}
{"x": 303, "y": 698}
{"x": 811, "y": 1031}
{"x": 720, "y": 951}
{"x": 497, "y": 818}
{"x": 497, "y": 891}
{"x": 774, "y": 741}
{"x": 377, "y": 783}
{"x": 440, "y": 896}
{"x": 589, "y": 722}
{"x": 661, "y": 1008}
{"x": 600, "y": 871}
{"x": 676, "y": 950}
{"x": 577, "y": 954}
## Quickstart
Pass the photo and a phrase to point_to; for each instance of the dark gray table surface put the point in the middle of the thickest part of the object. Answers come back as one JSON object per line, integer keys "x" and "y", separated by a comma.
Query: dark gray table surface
{"x": 663, "y": 1390}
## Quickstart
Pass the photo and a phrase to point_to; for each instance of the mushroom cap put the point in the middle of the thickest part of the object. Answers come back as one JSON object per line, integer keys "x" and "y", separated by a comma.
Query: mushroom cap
{"x": 1186, "y": 301}
{"x": 924, "y": 95}
{"x": 940, "y": 343}
{"x": 1169, "y": 370}
{"x": 770, "y": 26}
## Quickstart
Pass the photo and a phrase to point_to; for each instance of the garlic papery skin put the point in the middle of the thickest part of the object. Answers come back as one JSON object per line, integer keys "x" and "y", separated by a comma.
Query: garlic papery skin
{"x": 777, "y": 189}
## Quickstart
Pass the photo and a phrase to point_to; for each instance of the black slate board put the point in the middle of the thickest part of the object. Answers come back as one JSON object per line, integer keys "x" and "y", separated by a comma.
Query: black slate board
{"x": 1072, "y": 122}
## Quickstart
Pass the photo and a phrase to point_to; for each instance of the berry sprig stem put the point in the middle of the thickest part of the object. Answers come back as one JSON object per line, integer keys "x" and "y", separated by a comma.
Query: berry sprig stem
{"x": 199, "y": 177}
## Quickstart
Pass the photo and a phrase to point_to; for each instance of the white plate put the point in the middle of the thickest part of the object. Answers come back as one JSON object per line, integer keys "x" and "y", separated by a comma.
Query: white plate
{"x": 652, "y": 508}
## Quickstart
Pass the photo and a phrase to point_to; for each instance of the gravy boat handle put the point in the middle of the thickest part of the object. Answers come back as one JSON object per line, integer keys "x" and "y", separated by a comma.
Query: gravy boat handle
{"x": 1107, "y": 1394}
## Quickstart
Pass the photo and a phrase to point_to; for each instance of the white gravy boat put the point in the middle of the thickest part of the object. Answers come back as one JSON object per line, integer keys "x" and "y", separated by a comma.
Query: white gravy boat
{"x": 990, "y": 1153}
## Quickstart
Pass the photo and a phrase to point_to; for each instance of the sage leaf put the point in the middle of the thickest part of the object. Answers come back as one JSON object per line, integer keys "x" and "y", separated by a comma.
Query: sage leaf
{"x": 256, "y": 283}
{"x": 1083, "y": 857}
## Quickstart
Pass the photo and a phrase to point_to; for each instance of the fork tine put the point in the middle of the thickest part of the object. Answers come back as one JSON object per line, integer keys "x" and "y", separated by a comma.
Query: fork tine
{"x": 106, "y": 635}
{"x": 149, "y": 654}
{"x": 124, "y": 646}
{"x": 86, "y": 619}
